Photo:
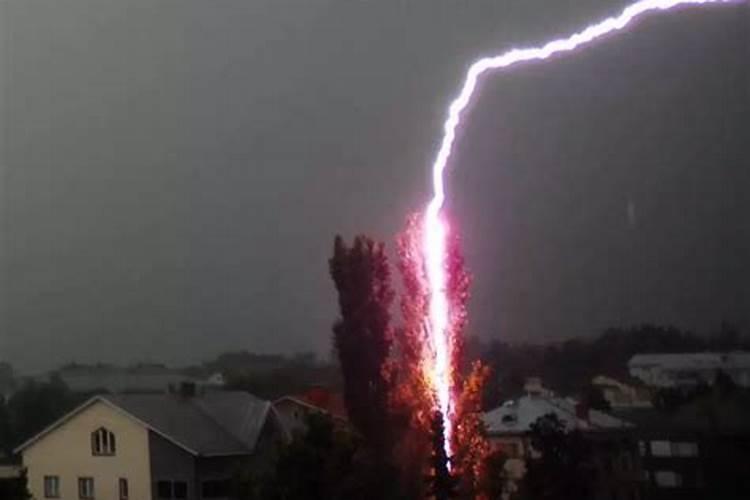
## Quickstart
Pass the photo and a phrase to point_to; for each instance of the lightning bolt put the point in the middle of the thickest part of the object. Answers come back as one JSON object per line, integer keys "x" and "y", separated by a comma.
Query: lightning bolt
{"x": 435, "y": 229}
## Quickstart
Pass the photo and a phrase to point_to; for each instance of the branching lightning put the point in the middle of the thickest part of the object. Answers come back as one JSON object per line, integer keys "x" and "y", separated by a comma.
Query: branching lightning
{"x": 435, "y": 229}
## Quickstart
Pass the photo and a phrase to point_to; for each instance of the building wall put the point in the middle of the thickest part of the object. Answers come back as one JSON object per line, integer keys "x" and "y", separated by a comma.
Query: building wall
{"x": 516, "y": 449}
{"x": 293, "y": 415}
{"x": 171, "y": 463}
{"x": 66, "y": 453}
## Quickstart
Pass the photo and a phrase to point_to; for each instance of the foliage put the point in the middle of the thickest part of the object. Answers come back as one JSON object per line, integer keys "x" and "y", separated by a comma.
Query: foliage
{"x": 593, "y": 397}
{"x": 470, "y": 444}
{"x": 285, "y": 380}
{"x": 442, "y": 484}
{"x": 327, "y": 462}
{"x": 561, "y": 469}
{"x": 385, "y": 371}
{"x": 363, "y": 337}
{"x": 15, "y": 488}
{"x": 34, "y": 407}
{"x": 569, "y": 366}
{"x": 494, "y": 483}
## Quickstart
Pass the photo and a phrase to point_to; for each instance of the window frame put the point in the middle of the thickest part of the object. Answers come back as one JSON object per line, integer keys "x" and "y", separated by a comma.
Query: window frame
{"x": 48, "y": 481}
{"x": 123, "y": 488}
{"x": 158, "y": 486}
{"x": 668, "y": 479}
{"x": 82, "y": 493}
{"x": 661, "y": 448}
{"x": 184, "y": 486}
{"x": 103, "y": 443}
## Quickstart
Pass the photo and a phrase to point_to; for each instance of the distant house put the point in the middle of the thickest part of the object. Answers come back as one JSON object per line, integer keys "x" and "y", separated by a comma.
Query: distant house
{"x": 508, "y": 428}
{"x": 621, "y": 395}
{"x": 151, "y": 446}
{"x": 142, "y": 378}
{"x": 690, "y": 369}
{"x": 293, "y": 410}
{"x": 696, "y": 451}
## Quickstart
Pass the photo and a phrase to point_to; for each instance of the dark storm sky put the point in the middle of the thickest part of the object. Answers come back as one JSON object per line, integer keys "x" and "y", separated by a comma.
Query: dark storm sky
{"x": 174, "y": 171}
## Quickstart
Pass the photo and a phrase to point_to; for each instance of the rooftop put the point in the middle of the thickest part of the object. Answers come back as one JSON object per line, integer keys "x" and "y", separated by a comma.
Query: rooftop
{"x": 214, "y": 423}
{"x": 516, "y": 416}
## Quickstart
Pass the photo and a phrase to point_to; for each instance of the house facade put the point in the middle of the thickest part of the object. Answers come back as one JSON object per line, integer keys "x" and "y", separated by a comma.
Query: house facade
{"x": 696, "y": 451}
{"x": 294, "y": 410}
{"x": 614, "y": 454}
{"x": 621, "y": 395}
{"x": 151, "y": 447}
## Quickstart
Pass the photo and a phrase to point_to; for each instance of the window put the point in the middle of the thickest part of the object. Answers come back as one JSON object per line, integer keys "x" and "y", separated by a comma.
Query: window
{"x": 85, "y": 488}
{"x": 215, "y": 489}
{"x": 667, "y": 479}
{"x": 172, "y": 490}
{"x": 661, "y": 448}
{"x": 642, "y": 448}
{"x": 123, "y": 487}
{"x": 51, "y": 487}
{"x": 103, "y": 442}
{"x": 685, "y": 449}
{"x": 164, "y": 489}
{"x": 677, "y": 449}
{"x": 179, "y": 489}
{"x": 509, "y": 419}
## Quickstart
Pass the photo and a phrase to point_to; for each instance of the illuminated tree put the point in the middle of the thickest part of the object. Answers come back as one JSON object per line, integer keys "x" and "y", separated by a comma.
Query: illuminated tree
{"x": 442, "y": 484}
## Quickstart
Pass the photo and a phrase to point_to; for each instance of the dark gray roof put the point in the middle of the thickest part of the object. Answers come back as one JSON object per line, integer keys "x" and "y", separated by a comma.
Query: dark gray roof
{"x": 215, "y": 423}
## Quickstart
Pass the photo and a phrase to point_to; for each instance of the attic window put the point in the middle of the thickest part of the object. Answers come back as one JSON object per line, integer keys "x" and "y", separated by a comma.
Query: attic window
{"x": 103, "y": 442}
{"x": 510, "y": 419}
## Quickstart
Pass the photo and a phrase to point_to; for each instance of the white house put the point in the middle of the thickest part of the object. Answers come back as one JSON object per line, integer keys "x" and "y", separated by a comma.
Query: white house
{"x": 689, "y": 369}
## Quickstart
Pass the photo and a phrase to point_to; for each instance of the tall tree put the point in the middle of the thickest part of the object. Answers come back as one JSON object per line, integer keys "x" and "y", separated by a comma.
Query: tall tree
{"x": 412, "y": 398}
{"x": 442, "y": 482}
{"x": 363, "y": 336}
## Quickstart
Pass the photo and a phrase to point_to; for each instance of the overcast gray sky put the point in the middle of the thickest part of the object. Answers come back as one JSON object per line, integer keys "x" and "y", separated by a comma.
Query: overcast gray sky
{"x": 174, "y": 171}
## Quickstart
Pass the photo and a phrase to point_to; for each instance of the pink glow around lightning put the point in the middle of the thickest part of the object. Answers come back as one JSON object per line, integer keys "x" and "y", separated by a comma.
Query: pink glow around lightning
{"x": 435, "y": 229}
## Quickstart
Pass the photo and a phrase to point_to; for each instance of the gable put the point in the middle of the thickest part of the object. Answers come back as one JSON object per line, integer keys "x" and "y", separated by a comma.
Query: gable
{"x": 73, "y": 433}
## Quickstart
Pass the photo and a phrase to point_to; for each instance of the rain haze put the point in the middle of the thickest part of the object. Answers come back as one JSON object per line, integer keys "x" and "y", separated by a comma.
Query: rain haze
{"x": 174, "y": 172}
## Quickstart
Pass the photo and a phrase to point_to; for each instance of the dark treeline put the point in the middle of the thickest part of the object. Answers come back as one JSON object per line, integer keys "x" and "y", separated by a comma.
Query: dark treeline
{"x": 32, "y": 408}
{"x": 270, "y": 376}
{"x": 36, "y": 404}
{"x": 568, "y": 366}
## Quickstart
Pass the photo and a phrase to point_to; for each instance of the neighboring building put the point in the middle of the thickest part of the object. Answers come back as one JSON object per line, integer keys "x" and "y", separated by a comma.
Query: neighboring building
{"x": 697, "y": 451}
{"x": 11, "y": 477}
{"x": 151, "y": 446}
{"x": 9, "y": 469}
{"x": 690, "y": 369}
{"x": 293, "y": 410}
{"x": 615, "y": 457}
{"x": 621, "y": 395}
